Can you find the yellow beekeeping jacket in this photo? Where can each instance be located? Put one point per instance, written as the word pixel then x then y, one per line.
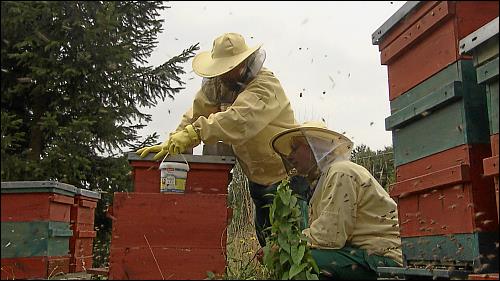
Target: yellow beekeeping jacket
pixel 349 207
pixel 248 120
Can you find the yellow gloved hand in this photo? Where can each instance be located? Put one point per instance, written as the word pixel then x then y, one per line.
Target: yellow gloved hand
pixel 160 149
pixel 182 140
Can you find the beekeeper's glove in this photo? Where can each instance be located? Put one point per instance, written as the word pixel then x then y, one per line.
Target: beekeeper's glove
pixel 182 140
pixel 160 149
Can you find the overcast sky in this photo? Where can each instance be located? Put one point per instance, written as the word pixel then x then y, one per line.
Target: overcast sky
pixel 323 50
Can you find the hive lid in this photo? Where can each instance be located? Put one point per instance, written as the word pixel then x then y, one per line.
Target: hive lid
pixel 38 187
pixel 393 20
pixel 479 36
pixel 88 193
pixel 213 159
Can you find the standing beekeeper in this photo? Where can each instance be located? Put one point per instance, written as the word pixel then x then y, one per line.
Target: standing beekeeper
pixel 242 104
pixel 353 222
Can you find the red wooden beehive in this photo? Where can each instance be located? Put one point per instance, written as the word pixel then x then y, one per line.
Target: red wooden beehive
pixel 180 236
pixel 53 204
pixel 34 267
pixel 207 173
pixel 82 223
pixel 31 202
pixel 445 193
pixel 175 236
pixel 424 38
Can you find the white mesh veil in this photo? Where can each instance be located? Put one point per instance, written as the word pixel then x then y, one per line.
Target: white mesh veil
pixel 324 148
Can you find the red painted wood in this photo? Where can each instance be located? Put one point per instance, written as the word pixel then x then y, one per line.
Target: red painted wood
pixel 212 178
pixel 441 211
pixel 432 18
pixel 82 227
pixel 34 267
pixel 80 264
pixel 488 276
pixel 174 263
pixel 471 154
pixel 452 175
pixel 25 207
pixel 432 200
pixel 169 220
pixel 494 144
pixel 430 42
pixel 496 191
pixel 57 198
pixel 83 210
pixel 407 22
pixel 208 178
pixel 490 165
pixel 81 247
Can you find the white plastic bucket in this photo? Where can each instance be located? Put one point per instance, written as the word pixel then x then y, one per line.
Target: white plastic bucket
pixel 173 177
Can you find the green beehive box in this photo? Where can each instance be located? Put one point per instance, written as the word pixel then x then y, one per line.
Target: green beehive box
pixel 32 239
pixel 474 251
pixel 483 45
pixel 446 110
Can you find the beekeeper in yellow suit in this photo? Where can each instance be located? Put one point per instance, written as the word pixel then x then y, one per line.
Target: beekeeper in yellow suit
pixel 242 104
pixel 353 222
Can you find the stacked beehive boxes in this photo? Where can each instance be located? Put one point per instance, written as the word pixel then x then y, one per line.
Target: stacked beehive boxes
pixel 35 224
pixel 482 44
pixel 171 236
pixel 440 129
pixel 82 223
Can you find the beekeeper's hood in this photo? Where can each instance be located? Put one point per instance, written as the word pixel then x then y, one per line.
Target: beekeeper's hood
pixel 326 146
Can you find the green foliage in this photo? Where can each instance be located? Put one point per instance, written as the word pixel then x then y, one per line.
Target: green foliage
pixel 286 253
pixel 380 163
pixel 73 80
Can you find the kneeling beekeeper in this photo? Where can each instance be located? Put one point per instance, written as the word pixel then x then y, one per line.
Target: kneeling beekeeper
pixel 352 221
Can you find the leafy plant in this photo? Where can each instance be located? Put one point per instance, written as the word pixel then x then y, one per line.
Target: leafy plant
pixel 286 253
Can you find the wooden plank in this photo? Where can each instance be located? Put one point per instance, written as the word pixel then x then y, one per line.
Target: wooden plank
pixel 493 102
pixel 169 220
pixel 439 47
pixel 425 24
pixel 494 144
pixel 33 207
pixel 471 155
pixel 486 51
pixel 34 267
pixel 405 23
pixel 451 126
pixel 425 105
pixel 171 263
pixel 461 71
pixel 80 263
pixel 453 250
pixel 486 276
pixel 488 71
pixel 208 178
pixel 453 175
pixel 81 246
pixel 82 213
pixel 98 271
pixel 490 166
pixel 28 239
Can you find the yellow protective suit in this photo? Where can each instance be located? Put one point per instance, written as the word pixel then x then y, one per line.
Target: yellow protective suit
pixel 349 207
pixel 248 121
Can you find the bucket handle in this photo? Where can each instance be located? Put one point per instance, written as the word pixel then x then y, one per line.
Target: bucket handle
pixel 166 155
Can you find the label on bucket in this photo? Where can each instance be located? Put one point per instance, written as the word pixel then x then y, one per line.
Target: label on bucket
pixel 173 177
